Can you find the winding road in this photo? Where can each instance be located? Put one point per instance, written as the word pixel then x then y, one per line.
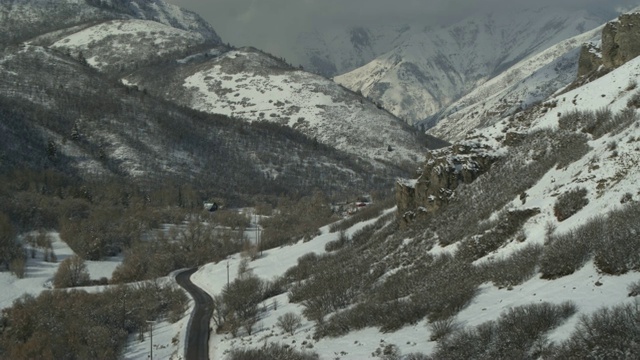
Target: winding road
pixel 198 332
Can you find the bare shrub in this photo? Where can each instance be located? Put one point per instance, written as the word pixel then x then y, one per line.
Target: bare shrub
pixel 18 266
pixel 231 218
pixel 341 242
pixel 442 328
pixel 634 288
pixel 634 100
pixel 507 225
pixel 565 254
pixel 616 249
pixel 570 203
pixel 609 333
pixel 514 269
pixel 272 351
pixel 367 213
pixel 71 272
pixel 514 335
pixel 572 120
pixel 289 322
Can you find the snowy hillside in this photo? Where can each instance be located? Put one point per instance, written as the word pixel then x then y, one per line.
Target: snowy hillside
pixel 23 20
pixel 396 263
pixel 429 70
pixel 522 85
pixel 123 44
pixel 254 86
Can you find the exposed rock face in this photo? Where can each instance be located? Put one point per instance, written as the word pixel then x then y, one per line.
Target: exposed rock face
pixel 443 172
pixel 620 43
pixel 590 60
pixel 621 40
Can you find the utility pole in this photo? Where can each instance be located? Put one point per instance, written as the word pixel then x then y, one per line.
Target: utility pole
pixel 227 274
pixel 151 336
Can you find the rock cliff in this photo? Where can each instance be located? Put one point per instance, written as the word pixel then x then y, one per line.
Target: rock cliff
pixel 620 43
pixel 444 170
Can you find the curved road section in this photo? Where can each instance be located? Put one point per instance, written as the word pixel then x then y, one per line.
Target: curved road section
pixel 198 331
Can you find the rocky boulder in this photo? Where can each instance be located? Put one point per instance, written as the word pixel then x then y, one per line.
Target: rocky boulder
pixel 620 43
pixel 444 170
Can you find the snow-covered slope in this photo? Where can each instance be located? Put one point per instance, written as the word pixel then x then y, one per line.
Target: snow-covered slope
pixel 431 69
pixel 525 83
pixel 125 44
pixel 23 20
pixel 253 86
pixel 608 173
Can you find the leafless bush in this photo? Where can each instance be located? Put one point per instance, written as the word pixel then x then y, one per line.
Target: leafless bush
pixel 272 352
pixel 570 203
pixel 514 269
pixel 443 328
pixel 513 336
pixel 616 249
pixel 609 333
pixel 634 288
pixel 565 254
pixel 289 322
pixel 71 272
pixel 507 225
pixel 339 243
pixel 634 100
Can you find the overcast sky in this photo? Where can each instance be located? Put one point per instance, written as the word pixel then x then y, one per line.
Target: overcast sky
pixel 272 25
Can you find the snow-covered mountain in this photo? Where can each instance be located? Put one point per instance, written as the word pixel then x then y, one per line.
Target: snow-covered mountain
pixel 429 69
pixel 502 235
pixel 522 85
pixel 245 84
pixel 251 85
pixel 338 50
pixel 111 91
pixel 22 20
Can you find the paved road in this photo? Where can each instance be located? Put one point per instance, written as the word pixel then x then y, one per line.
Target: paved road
pixel 198 333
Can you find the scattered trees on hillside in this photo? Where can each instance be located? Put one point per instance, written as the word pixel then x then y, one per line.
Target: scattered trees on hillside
pixel 296 220
pixel 237 306
pixel 77 325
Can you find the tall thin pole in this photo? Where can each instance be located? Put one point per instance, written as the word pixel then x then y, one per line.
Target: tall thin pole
pixel 227 274
pixel 150 322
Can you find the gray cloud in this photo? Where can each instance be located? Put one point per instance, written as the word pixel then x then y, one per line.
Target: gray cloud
pixel 273 25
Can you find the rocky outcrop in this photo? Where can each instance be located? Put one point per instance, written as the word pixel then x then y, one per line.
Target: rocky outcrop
pixel 443 171
pixel 620 43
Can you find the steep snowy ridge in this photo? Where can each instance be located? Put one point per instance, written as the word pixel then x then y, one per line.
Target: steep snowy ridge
pixel 432 69
pixel 250 85
pixel 525 83
pixel 122 44
pixel 238 84
pixel 23 20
